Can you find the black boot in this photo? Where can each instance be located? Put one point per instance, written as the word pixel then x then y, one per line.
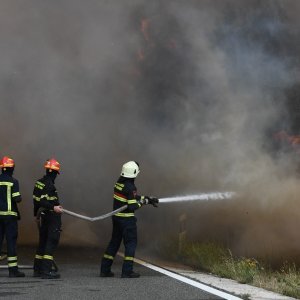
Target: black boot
pixel 107 274
pixel 16 273
pixel 47 272
pixel 130 275
pixel 50 275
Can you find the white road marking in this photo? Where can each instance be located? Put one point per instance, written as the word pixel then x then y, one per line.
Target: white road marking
pixel 20 267
pixel 187 280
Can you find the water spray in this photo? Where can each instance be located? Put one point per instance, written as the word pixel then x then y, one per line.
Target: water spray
pixel 203 197
pixel 199 197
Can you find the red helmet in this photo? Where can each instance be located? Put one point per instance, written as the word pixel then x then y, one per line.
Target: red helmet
pixel 7 162
pixel 52 164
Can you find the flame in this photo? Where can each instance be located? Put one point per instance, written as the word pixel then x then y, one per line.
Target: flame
pixel 148 45
pixel 292 141
pixel 140 55
pixel 145 25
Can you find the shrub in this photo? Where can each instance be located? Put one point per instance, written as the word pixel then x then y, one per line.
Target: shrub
pixel 216 259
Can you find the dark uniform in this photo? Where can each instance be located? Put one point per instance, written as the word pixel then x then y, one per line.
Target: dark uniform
pixel 45 198
pixel 9 215
pixel 124 225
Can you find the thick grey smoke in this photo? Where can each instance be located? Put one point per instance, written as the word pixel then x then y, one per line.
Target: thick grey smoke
pixel 193 90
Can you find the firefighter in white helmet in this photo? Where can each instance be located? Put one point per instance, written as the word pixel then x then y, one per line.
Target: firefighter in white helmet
pixel 124 223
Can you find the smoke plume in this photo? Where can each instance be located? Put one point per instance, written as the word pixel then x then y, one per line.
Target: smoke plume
pixel 192 90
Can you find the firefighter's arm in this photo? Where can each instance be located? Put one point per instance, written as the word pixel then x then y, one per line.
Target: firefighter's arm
pixel 16 195
pixel 132 200
pixel 47 202
pixel 36 201
pixel 44 203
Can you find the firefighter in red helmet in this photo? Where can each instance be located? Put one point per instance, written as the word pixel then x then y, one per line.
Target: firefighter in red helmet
pixel 9 214
pixel 47 210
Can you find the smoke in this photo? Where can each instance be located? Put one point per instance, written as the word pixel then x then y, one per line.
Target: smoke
pixel 193 90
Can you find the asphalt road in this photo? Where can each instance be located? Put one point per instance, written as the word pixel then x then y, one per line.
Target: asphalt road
pixel 80 280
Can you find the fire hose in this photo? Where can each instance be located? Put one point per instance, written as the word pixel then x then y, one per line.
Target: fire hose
pixel 71 213
pixel 201 197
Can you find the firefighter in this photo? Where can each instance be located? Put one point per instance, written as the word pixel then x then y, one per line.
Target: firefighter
pixel 9 214
pixel 47 211
pixel 124 223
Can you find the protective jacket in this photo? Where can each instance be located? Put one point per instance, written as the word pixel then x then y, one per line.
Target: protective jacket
pixel 9 197
pixel 125 192
pixel 45 195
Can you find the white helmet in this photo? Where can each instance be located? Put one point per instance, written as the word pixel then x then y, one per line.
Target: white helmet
pixel 130 169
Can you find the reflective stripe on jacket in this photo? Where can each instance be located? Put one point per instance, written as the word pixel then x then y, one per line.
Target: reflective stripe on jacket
pixel 9 196
pixel 44 195
pixel 125 192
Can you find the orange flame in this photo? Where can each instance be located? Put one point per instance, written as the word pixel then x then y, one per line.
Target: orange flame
pixel 140 55
pixel 145 25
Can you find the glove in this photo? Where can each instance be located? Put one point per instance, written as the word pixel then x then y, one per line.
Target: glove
pixel 144 200
pixel 153 201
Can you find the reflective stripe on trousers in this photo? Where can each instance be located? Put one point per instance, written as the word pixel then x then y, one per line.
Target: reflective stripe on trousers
pixel 9 230
pixel 123 229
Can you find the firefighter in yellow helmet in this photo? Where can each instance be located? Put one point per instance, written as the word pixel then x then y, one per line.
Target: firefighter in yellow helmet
pixel 9 214
pixel 47 210
pixel 124 223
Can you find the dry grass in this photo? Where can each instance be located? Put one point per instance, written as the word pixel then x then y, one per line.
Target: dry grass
pixel 218 260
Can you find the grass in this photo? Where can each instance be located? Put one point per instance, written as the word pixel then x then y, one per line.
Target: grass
pixel 218 260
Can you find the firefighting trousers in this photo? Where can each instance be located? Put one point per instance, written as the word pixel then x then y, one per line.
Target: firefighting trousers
pixel 123 229
pixel 49 234
pixel 9 230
